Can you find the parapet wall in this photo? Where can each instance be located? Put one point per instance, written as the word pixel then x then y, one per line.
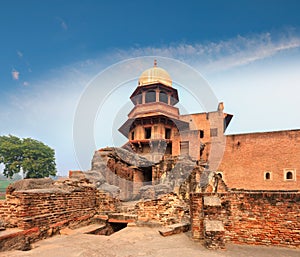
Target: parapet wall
pixel 249 217
pixel 248 157
pixel 77 201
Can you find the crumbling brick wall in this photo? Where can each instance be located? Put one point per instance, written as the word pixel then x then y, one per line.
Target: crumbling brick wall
pixel 166 210
pixel 2 209
pixel 42 212
pixel 38 208
pixel 260 218
pixel 107 203
pixel 78 201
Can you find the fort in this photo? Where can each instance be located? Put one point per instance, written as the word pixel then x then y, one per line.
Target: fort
pixel 177 173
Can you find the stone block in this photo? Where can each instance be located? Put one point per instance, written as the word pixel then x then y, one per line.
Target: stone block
pixel 214 234
pixel 174 229
pixel 212 201
pixel 213 225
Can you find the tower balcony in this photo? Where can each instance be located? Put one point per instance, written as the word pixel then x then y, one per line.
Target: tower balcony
pixel 153 109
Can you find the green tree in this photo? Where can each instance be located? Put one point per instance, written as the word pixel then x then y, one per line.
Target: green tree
pixel 32 157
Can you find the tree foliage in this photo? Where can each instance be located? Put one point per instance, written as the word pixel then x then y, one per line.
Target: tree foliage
pixel 32 157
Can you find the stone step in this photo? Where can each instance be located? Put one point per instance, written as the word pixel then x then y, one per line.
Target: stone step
pixel 174 229
pixel 122 217
pixel 81 230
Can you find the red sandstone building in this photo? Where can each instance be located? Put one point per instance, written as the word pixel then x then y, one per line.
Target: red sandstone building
pixel 156 129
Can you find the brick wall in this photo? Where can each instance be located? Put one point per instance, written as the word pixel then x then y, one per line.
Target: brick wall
pixel 214 144
pixel 107 203
pixel 260 218
pixel 196 207
pixel 2 209
pixel 248 157
pixel 166 210
pixel 38 209
pixel 43 207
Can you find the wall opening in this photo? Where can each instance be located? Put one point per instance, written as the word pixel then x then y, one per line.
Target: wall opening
pixel 147 133
pixel 220 174
pixel 169 149
pixel 289 175
pixel 137 99
pixel 163 97
pixel 150 96
pixel 167 133
pixel 147 175
pixel 201 134
pixel 267 175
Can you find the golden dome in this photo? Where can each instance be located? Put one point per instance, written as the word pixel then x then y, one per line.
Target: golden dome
pixel 155 75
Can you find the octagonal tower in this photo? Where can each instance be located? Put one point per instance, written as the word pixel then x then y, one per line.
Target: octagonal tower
pixel 154 121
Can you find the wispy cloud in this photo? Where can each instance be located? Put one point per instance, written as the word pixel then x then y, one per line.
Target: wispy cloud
pixel 20 54
pixel 222 55
pixel 54 97
pixel 15 74
pixel 62 23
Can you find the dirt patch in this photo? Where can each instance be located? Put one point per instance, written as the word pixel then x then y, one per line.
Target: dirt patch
pixel 137 241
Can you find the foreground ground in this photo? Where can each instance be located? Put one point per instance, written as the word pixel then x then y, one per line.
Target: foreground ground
pixel 137 241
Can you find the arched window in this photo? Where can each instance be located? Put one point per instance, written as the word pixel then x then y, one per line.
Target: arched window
pixel 163 97
pixel 150 96
pixel 137 99
pixel 289 175
pixel 267 175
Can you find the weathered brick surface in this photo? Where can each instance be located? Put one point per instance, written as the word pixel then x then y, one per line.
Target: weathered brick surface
pixel 262 218
pixel 166 210
pixel 45 207
pixel 40 209
pixel 248 156
pixel 196 212
pixel 2 209
pixel 214 240
pixel 106 203
pixel 41 213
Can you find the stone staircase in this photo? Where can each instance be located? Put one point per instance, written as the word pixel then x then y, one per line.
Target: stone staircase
pixel 127 213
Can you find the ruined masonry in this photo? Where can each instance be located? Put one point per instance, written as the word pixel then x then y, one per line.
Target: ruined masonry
pixel 175 172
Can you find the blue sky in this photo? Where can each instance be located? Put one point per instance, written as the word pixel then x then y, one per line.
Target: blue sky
pixel 248 51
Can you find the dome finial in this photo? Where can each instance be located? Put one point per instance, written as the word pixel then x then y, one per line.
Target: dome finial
pixel 155 75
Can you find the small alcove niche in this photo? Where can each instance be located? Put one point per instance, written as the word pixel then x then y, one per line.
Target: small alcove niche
pixel 268 175
pixel 289 175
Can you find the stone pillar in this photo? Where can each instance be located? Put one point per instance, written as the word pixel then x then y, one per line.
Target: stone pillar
pixel 169 99
pixel 196 210
pixel 157 95
pixel 143 97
